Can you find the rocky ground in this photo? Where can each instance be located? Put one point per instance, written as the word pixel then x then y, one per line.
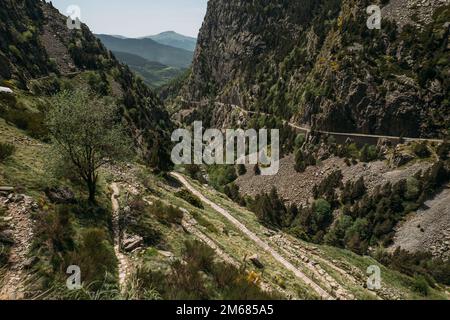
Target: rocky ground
pixel 428 229
pixel 19 207
pixel 416 12
pixel 296 187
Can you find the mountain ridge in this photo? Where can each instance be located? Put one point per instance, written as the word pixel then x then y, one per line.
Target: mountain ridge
pixel 174 39
pixel 149 49
pixel 318 71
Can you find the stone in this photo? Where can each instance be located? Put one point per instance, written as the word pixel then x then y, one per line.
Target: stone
pixel 256 262
pixel 131 243
pixel 401 159
pixel 61 195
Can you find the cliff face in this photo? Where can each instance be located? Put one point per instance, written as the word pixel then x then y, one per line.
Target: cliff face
pixel 316 61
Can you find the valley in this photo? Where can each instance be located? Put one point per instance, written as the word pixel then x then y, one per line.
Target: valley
pixel 87 177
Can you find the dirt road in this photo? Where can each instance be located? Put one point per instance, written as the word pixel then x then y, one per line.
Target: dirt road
pixel 322 293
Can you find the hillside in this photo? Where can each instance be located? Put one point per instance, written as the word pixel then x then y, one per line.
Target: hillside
pixel 150 50
pixel 154 74
pixel 92 207
pixel 173 39
pixel 155 236
pixel 47 55
pixel 317 63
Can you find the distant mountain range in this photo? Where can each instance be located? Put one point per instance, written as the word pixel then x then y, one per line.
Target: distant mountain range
pixel 150 50
pixel 153 73
pixel 173 39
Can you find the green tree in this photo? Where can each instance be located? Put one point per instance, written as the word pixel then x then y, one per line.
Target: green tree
pixel 322 213
pixel 86 132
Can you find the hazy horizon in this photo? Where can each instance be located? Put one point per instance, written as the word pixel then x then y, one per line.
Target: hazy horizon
pixel 140 17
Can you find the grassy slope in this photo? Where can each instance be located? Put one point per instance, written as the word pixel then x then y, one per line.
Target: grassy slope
pixel 395 282
pixel 154 74
pixel 28 169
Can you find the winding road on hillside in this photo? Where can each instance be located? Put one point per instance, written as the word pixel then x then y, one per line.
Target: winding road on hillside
pixel 308 129
pixel 124 263
pixel 289 266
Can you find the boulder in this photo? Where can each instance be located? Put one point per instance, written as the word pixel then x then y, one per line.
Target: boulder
pixel 60 195
pixel 399 159
pixel 6 189
pixel 131 243
pixel 256 262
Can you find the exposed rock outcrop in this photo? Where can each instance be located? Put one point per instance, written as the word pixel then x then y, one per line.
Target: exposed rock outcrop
pixel 317 63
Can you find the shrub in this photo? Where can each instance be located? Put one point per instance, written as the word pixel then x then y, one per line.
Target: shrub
pixel 95 257
pixel 190 198
pixel 166 214
pixel 199 276
pixel 412 189
pixel 33 123
pixel 13 49
pixel 421 150
pixel 322 213
pixel 221 175
pixel 241 169
pixel 6 151
pixel 199 255
pixel 300 140
pixel 420 285
pixel 368 153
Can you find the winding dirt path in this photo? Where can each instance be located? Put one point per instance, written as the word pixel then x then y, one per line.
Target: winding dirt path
pixel 289 266
pixel 12 285
pixel 125 265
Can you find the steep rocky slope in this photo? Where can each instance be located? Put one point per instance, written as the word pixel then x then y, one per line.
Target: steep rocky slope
pixel 38 52
pixel 318 63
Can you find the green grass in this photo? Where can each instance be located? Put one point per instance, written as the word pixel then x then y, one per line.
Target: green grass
pixel 395 283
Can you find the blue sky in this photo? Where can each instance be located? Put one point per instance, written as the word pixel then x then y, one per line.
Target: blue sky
pixel 136 18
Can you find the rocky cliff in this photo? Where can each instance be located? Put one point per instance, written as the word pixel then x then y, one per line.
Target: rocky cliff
pixel 317 62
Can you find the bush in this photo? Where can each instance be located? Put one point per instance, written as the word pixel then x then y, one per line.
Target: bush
pixel 33 123
pixel 199 255
pixel 166 214
pixel 322 213
pixel 6 151
pixel 300 140
pixel 221 175
pixel 95 257
pixel 420 285
pixel 200 277
pixel 190 198
pixel 368 153
pixel 421 150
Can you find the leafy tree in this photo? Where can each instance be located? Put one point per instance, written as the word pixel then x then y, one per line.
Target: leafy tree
pixel 86 132
pixel 322 213
pixel 368 153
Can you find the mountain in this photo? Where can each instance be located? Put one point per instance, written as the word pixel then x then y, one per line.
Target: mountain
pixel 40 57
pixel 154 74
pixel 173 39
pixel 331 224
pixel 150 50
pixel 318 63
